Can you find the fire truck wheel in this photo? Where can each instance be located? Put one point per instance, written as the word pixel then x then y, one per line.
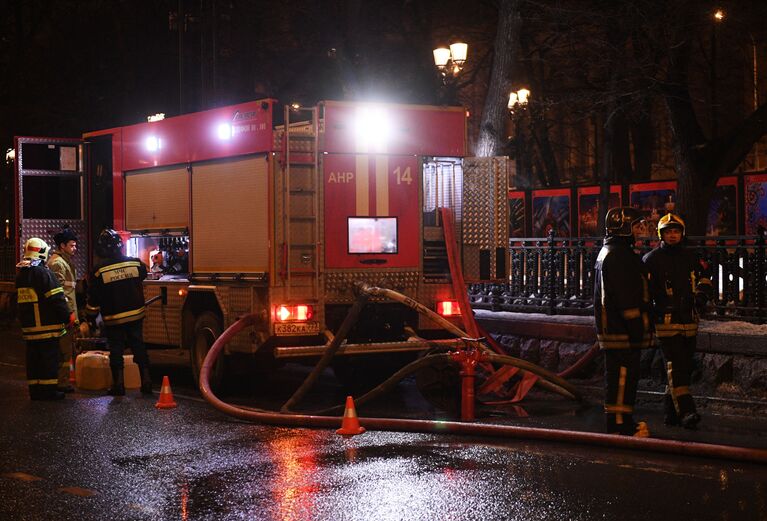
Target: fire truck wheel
pixel 207 328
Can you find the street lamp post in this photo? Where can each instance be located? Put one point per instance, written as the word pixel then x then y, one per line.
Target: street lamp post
pixel 450 61
pixel 518 101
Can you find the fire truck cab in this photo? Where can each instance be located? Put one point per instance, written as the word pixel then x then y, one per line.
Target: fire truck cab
pixel 239 210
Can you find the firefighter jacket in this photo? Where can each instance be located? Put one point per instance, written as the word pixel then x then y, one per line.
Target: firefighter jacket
pixel 115 290
pixel 60 263
pixel 621 297
pixel 678 280
pixel 42 308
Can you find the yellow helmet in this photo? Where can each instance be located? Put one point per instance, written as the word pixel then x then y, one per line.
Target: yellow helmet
pixel 36 249
pixel 670 220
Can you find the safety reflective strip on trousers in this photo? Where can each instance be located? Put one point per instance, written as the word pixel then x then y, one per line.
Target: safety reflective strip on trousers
pixel 621 395
pixel 670 376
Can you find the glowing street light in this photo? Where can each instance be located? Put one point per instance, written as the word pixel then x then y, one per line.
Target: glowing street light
pixel 518 99
pixel 451 60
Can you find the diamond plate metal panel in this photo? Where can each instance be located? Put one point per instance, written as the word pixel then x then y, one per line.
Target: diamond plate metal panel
pixel 339 284
pixel 45 229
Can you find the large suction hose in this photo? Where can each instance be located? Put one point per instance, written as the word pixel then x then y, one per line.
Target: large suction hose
pixel 458 428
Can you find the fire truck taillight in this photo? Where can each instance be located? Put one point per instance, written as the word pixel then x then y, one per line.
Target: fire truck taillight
pixel 448 308
pixel 297 313
pixel 182 292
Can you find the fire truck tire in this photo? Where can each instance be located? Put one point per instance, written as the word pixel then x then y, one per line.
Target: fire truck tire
pixel 207 328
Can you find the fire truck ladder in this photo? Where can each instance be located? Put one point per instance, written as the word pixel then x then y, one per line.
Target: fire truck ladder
pixel 301 204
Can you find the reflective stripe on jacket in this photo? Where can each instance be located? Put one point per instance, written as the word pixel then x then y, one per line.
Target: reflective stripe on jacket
pixel 621 297
pixel 116 290
pixel 41 305
pixel 676 277
pixel 64 269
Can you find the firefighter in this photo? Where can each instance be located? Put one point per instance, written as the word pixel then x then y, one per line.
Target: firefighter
pixel 116 291
pixel 44 316
pixel 62 265
pixel 621 312
pixel 680 286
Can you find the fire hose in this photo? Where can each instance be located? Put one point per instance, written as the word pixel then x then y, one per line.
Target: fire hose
pixel 459 428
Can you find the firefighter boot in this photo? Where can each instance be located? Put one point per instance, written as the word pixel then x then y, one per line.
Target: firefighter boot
pixel 146 382
pixel 688 417
pixel 670 416
pixel 118 383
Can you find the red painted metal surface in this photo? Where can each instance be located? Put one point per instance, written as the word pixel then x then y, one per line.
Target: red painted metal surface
pixel 212 134
pixel 394 129
pixel 375 186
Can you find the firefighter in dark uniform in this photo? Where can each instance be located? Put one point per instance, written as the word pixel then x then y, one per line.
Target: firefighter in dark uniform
pixel 621 313
pixel 115 290
pixel 679 286
pixel 44 316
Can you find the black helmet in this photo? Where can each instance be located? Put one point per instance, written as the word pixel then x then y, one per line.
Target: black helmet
pixel 108 243
pixel 64 236
pixel 620 220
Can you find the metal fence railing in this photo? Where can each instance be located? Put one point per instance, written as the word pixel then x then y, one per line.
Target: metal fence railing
pixel 556 276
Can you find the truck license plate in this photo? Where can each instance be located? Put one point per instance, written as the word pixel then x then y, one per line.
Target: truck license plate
pixel 302 328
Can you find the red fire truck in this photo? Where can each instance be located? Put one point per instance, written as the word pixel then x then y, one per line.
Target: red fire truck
pixel 235 212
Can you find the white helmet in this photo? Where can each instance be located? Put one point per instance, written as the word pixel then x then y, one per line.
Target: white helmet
pixel 36 249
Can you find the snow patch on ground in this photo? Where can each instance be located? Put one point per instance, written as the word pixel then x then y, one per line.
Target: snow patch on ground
pixel 715 327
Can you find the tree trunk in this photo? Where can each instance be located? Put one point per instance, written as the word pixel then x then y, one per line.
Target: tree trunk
pixel 492 127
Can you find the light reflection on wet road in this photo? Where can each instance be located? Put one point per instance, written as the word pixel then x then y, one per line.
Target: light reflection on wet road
pixel 94 458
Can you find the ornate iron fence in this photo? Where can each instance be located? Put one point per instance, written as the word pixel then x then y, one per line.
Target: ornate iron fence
pixel 556 276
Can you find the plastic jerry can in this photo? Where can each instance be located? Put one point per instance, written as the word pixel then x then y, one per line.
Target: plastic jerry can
pixel 92 371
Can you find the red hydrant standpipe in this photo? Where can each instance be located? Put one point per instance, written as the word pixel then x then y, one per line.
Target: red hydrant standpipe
pixel 469 429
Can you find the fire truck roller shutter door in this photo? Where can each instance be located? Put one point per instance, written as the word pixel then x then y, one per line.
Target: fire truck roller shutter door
pixel 157 199
pixel 230 204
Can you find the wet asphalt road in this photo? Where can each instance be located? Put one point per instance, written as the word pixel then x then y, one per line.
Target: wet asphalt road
pixel 93 457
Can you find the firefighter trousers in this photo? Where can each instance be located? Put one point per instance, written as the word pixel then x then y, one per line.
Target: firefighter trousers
pixel 678 352
pixel 621 381
pixel 42 367
pixel 125 335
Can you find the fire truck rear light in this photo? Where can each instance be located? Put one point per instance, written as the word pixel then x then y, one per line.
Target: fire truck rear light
pixel 449 308
pixel 297 313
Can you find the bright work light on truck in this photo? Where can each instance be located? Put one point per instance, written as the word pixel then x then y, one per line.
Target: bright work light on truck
pixel 372 129
pixel 153 143
pixel 224 131
pixel 296 313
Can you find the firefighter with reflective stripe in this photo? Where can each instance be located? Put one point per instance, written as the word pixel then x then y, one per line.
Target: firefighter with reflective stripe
pixel 115 290
pixel 44 317
pixel 679 286
pixel 62 265
pixel 621 313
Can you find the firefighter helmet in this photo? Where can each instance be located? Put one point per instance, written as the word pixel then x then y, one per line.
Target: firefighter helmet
pixel 36 249
pixel 670 220
pixel 108 243
pixel 619 221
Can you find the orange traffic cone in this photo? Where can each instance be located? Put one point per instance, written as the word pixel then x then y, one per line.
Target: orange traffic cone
pixel 350 424
pixel 166 396
pixel 71 371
